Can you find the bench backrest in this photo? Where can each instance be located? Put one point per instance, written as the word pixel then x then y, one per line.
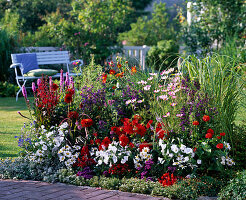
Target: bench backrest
pixel 52 57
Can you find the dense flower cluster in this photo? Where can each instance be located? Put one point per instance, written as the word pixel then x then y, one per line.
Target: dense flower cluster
pixel 156 128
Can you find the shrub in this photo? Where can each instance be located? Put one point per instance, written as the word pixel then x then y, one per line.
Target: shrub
pixel 236 189
pixel 8 89
pixel 163 55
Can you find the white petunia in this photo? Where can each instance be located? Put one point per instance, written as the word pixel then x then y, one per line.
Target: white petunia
pixel 188 150
pixel 161 160
pixel 199 162
pixel 175 148
pixel 124 160
pixel 44 147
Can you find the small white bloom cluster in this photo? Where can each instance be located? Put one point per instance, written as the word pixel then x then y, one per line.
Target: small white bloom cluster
pixel 178 155
pixel 113 154
pixel 226 160
pixel 143 156
pixel 51 144
pixel 68 155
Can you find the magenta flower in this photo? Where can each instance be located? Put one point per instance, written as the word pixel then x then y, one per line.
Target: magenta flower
pixel 33 87
pixel 24 92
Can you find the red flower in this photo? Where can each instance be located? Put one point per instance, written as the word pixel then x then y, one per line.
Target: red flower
pixel 113 87
pixel 95 134
pixel 97 141
pixel 196 123
pixel 206 118
pixel 194 150
pixel 137 117
pixel 131 145
pixel 124 140
pixel 219 146
pixel 86 122
pixel 70 91
pixel 222 134
pixel 73 115
pixel 111 71
pixel 92 142
pixel 134 70
pixel 145 144
pixel 140 129
pixel 120 74
pixel 54 86
pixel 210 131
pixel 104 78
pixel 106 141
pixel 219 137
pixel 209 135
pixel 68 98
pixel 149 123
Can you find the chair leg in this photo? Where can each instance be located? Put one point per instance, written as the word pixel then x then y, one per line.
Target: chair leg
pixel 20 86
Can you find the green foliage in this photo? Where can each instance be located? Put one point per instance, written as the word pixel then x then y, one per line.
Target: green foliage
pixel 149 31
pixel 31 12
pixel 214 21
pixel 163 56
pixel 7 45
pixel 236 189
pixel 219 78
pixel 8 89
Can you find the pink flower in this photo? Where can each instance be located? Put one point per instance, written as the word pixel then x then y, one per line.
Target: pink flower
pixel 167 115
pixel 86 44
pixel 164 97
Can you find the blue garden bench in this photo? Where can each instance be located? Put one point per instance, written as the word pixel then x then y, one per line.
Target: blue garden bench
pixel 27 63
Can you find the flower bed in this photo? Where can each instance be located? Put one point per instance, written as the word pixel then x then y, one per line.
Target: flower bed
pixel 123 123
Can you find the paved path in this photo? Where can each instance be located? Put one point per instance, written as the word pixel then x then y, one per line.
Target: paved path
pixel 36 190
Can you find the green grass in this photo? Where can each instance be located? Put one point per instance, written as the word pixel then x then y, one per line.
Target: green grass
pixel 10 125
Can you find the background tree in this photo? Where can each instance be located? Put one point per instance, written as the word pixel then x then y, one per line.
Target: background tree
pixel 215 20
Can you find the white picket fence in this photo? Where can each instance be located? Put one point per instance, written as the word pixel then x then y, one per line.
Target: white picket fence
pixel 138 53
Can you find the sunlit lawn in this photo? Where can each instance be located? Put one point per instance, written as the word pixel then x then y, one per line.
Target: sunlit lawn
pixel 11 123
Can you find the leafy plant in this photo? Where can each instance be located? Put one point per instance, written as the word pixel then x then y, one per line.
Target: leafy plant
pixel 236 189
pixel 8 89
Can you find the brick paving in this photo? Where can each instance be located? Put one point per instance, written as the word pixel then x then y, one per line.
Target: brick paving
pixel 36 190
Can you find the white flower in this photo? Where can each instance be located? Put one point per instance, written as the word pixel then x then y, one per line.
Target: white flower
pixel 175 148
pixel 145 149
pixel 128 102
pixel 167 115
pixel 124 160
pixel 106 160
pixel 176 163
pixel 44 147
pixel 62 158
pixel 143 154
pixel 64 125
pixel 67 154
pixel 186 159
pixel 180 157
pixel 227 146
pixel 161 160
pixel 115 159
pixel 182 148
pixel 39 153
pixel 153 74
pixel 137 165
pixel 164 77
pixel 150 79
pixel 99 162
pixel 49 134
pixel 199 162
pixel 147 87
pixel 171 155
pixel 156 91
pixel 188 150
pixel 223 160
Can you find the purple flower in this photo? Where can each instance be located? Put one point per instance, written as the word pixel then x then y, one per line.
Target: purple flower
pixel 24 92
pixel 61 79
pixel 67 80
pixel 38 82
pixel 33 87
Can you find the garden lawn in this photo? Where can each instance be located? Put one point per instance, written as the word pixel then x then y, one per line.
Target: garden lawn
pixel 10 125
